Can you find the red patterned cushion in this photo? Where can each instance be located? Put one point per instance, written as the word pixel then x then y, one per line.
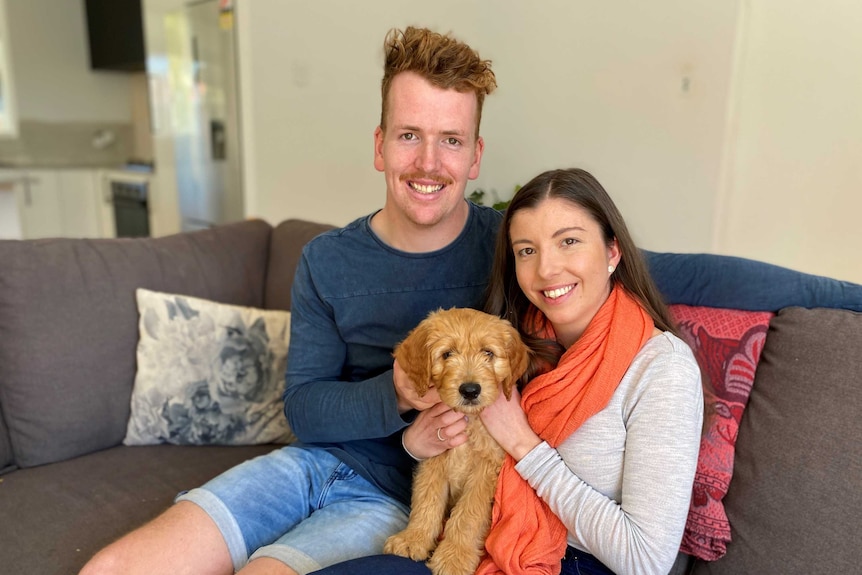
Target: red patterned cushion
pixel 727 344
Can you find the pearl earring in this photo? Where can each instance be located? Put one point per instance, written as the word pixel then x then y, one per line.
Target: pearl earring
pixel 611 269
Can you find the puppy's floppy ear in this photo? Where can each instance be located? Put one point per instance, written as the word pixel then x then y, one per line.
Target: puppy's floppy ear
pixel 518 356
pixel 414 357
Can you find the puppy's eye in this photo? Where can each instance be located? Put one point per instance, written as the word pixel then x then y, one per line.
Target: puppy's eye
pixel 447 354
pixel 488 353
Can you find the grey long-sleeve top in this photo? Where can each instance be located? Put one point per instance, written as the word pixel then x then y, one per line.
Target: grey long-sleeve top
pixel 622 482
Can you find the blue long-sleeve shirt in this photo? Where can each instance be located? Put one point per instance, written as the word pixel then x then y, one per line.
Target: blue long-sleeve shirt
pixel 354 298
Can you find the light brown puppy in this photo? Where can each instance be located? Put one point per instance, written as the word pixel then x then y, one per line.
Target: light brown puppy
pixel 468 356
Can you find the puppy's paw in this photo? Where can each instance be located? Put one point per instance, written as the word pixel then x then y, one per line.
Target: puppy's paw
pixel 411 544
pixel 451 559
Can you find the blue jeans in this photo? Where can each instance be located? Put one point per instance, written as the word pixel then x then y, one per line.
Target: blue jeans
pixel 301 506
pixel 581 563
pixel 574 563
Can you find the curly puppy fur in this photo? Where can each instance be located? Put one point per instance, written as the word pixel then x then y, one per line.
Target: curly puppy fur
pixel 468 356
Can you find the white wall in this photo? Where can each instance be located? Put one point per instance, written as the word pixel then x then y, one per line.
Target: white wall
pixel 731 127
pixel 50 58
pixel 631 91
pixel 793 194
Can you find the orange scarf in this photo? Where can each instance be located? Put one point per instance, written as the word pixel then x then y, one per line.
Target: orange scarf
pixel 526 537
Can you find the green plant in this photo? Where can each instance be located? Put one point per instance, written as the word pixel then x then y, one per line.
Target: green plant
pixel 477 196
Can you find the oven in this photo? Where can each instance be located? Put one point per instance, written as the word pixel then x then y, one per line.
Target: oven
pixel 126 211
pixel 131 208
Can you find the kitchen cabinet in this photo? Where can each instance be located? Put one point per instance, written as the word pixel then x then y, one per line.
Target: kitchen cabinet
pixel 10 223
pixel 50 203
pixel 39 205
pixel 81 199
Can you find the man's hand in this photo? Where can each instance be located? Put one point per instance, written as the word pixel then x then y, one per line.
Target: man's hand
pixel 436 428
pixel 434 431
pixel 406 392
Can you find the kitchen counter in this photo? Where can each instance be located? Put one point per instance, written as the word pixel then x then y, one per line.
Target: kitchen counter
pixel 67 145
pixel 53 164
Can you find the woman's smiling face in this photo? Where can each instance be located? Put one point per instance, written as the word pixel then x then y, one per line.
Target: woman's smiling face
pixel 561 262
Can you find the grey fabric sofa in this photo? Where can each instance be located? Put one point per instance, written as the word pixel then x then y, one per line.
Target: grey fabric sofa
pixel 68 337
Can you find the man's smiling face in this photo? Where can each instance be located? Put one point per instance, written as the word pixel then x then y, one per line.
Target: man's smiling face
pixel 429 149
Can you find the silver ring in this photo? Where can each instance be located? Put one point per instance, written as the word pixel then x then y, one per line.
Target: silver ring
pixel 440 437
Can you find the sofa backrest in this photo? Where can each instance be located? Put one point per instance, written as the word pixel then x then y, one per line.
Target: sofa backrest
pixel 288 239
pixel 69 326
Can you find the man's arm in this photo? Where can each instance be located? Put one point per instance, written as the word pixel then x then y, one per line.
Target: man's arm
pixel 740 283
pixel 319 405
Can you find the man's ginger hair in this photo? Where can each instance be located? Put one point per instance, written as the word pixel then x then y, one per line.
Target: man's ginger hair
pixel 442 60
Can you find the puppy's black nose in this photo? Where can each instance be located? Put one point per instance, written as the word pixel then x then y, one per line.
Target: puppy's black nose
pixel 470 390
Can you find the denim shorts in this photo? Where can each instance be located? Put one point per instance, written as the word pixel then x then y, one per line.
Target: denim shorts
pixel 301 506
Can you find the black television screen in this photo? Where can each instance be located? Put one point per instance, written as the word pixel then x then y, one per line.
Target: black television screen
pixel 116 32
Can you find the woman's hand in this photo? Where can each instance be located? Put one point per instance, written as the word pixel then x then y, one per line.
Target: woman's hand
pixel 507 422
pixel 434 431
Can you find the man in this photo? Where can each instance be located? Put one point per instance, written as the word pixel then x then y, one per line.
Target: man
pixel 344 488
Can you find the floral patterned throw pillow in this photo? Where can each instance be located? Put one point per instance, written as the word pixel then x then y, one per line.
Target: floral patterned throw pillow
pixel 727 344
pixel 208 373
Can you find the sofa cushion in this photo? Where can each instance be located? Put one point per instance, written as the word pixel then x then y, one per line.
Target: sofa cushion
pixel 288 238
pixel 55 517
pixel 7 460
pixel 208 373
pixel 796 496
pixel 727 344
pixel 68 325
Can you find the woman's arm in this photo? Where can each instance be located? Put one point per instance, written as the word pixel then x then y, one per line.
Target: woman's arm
pixel 622 483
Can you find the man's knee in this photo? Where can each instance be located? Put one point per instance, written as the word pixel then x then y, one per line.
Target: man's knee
pixel 105 562
pixel 182 536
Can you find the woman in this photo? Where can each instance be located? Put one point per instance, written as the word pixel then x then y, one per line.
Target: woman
pixel 603 442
